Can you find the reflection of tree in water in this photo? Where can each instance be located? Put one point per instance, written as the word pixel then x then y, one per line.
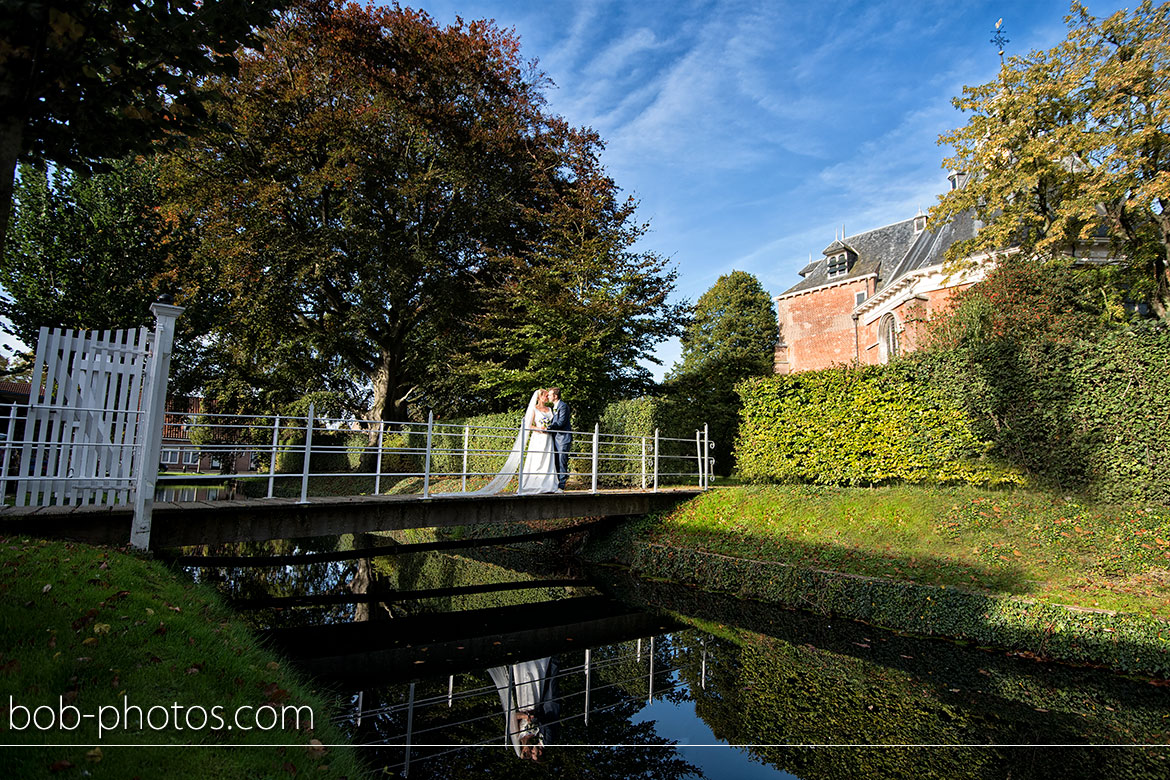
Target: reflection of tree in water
pixel 284 581
pixel 615 699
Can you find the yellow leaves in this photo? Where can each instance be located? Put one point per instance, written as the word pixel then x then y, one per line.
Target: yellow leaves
pixel 101 628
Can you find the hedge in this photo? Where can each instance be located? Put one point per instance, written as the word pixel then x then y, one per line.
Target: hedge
pixel 1122 641
pixel 864 426
pixel 1089 416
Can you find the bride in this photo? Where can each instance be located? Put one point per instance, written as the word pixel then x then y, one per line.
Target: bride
pixel 539 474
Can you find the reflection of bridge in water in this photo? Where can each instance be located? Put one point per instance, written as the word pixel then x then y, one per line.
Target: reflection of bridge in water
pixel 374 653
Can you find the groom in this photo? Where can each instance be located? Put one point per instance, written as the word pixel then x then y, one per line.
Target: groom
pixel 562 435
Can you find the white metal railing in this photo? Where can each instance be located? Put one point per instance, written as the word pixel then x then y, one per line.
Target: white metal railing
pixel 314 456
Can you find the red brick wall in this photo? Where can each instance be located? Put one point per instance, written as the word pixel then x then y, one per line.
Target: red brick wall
pixel 816 328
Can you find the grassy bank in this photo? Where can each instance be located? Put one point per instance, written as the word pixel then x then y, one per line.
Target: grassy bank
pixel 90 634
pixel 997 567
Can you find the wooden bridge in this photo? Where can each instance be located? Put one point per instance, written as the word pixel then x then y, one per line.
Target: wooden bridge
pixel 246 520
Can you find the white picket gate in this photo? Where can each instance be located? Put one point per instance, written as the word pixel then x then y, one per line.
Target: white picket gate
pixel 94 425
pixel 83 417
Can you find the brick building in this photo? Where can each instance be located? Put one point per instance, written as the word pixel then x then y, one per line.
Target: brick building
pixel 864 298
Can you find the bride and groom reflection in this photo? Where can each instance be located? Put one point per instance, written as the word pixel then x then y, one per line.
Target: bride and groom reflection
pixel 528 694
pixel 540 452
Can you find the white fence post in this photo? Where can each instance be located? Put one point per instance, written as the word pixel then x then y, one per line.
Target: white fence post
pixel 151 422
pixel 378 456
pixel 520 465
pixel 699 455
pixel 272 462
pixel 7 453
pixel 643 462
pixel 466 445
pixel 655 460
pixel 427 457
pixel 309 422
pixel 707 460
pixel 588 681
pixel 596 442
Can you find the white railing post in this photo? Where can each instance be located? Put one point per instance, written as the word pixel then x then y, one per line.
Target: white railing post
pixel 520 465
pixel 466 446
pixel 655 460
pixel 699 455
pixel 643 462
pixel 154 407
pixel 588 681
pixel 409 731
pixel 427 457
pixel 707 460
pixel 650 694
pixel 309 422
pixel 378 470
pixel 7 453
pixel 596 442
pixel 272 462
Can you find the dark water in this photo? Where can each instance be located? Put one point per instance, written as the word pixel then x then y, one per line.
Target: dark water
pixel 649 680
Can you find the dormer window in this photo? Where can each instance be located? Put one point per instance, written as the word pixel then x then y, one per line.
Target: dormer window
pixel 919 223
pixel 838 264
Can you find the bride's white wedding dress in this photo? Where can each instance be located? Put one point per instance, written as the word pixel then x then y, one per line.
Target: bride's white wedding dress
pixel 539 473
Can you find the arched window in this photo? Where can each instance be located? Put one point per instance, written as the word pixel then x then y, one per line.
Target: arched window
pixel 888 337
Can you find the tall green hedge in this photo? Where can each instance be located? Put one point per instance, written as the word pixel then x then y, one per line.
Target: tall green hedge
pixel 862 426
pixel 1090 416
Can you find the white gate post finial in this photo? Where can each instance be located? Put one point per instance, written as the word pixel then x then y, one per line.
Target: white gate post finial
pixel 154 402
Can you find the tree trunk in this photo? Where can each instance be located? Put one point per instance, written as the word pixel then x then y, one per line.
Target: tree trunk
pixel 388 405
pixel 11 133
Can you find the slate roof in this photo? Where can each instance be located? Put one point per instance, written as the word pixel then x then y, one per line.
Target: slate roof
pixel 884 246
pixel 888 252
pixel 930 248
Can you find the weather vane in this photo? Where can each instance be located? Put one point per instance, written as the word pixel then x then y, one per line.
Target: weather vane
pixel 999 38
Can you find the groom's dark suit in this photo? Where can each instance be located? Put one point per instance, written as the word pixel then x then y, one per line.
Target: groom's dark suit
pixel 562 440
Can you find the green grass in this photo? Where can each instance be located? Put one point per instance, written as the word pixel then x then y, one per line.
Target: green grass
pixel 1019 542
pixel 92 627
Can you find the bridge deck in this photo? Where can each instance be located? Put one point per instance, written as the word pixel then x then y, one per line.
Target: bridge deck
pixel 243 520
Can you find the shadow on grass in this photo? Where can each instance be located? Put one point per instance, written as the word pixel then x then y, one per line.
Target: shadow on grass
pixel 923 569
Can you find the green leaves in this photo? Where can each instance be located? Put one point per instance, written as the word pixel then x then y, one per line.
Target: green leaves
pixel 859 427
pixel 1069 149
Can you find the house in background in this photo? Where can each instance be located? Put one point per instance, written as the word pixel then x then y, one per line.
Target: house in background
pixel 863 300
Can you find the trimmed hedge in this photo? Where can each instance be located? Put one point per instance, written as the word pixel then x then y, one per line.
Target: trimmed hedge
pixel 1090 416
pixel 864 426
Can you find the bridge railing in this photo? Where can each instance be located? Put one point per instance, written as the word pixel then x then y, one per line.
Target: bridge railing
pixel 207 456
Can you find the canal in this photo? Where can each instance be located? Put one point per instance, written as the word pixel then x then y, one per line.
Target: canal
pixel 524 661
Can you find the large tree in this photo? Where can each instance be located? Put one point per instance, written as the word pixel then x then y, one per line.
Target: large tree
pixel 85 80
pixel 89 251
pixel 580 307
pixel 1072 144
pixel 371 165
pixel 732 336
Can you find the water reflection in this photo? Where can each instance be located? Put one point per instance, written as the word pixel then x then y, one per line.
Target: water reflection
pixel 528 694
pixel 448 666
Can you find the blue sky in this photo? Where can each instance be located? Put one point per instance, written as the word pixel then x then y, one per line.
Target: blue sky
pixel 751 130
